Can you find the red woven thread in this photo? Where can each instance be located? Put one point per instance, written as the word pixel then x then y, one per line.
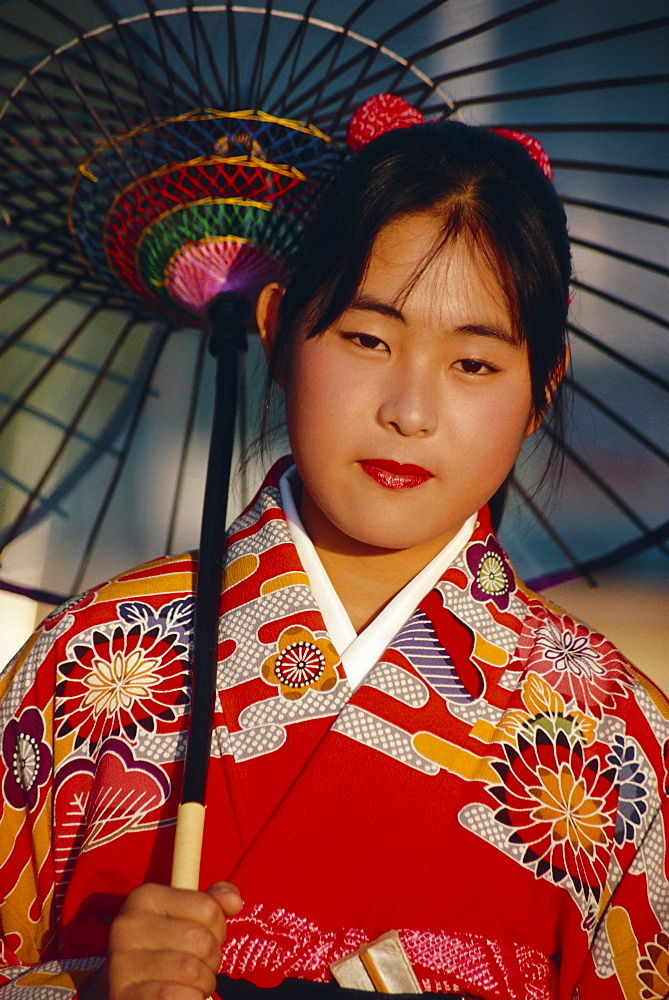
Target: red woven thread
pixel 183 184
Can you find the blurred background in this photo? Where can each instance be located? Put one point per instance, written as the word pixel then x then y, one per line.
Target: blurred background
pixel 106 388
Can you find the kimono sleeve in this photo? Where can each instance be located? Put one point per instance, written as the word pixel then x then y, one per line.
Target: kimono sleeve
pixel 629 955
pixel 28 927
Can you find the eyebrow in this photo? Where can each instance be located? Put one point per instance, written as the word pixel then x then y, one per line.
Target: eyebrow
pixel 497 332
pixel 368 303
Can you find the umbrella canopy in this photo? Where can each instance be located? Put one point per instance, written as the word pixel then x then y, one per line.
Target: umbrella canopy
pixel 141 145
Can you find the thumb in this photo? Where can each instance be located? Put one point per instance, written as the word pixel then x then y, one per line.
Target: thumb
pixel 227 896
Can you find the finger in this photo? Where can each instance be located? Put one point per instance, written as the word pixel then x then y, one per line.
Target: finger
pixel 159 991
pixel 131 971
pixel 227 896
pixel 153 932
pixel 185 904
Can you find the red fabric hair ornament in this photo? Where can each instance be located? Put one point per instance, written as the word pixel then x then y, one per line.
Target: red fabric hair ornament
pixel 532 145
pixel 385 112
pixel 379 114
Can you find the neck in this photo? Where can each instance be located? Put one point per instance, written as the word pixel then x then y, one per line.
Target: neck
pixel 365 577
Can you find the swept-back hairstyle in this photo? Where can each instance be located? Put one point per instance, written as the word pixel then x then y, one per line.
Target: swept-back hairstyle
pixel 481 186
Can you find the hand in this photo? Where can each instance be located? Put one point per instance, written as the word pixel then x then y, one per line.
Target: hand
pixel 165 944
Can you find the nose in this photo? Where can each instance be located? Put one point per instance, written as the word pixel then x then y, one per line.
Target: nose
pixel 410 401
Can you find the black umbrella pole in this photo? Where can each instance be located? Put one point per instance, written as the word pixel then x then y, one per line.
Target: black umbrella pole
pixel 228 315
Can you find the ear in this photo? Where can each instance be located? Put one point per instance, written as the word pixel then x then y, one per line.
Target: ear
pixel 267 315
pixel 554 381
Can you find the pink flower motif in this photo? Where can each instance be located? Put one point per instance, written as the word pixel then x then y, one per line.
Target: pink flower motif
pixel 578 663
pixel 28 759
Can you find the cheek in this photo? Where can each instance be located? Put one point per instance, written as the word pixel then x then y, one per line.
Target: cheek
pixel 495 425
pixel 311 397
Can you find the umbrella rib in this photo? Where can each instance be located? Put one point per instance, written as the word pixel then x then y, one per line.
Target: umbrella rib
pixel 650 539
pixel 44 46
pixel 348 98
pixel 555 47
pixel 130 59
pixel 628 306
pixel 19 100
pixel 588 127
pixel 616 418
pixel 17 286
pixel 334 41
pixel 255 83
pixel 336 44
pixel 611 168
pixel 607 490
pixel 11 251
pixel 480 29
pixel 15 528
pixel 197 69
pixel 234 89
pixel 626 213
pixel 39 204
pixel 203 90
pixel 223 101
pixel 628 258
pixel 58 106
pixel 121 458
pixel 539 515
pixel 565 88
pixel 445 43
pixel 90 49
pixel 55 358
pixel 157 30
pixel 335 98
pixel 617 356
pixel 34 593
pixel 294 43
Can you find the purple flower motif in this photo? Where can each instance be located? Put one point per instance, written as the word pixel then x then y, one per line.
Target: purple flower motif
pixel 493 577
pixel 28 759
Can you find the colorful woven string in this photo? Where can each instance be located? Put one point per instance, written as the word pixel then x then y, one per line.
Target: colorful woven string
pixel 180 209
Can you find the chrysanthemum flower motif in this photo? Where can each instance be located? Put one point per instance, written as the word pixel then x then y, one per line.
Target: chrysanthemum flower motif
pixel 560 805
pixel 579 664
pixel 654 969
pixel 115 683
pixel 302 662
pixel 564 802
pixel 27 757
pixel 493 577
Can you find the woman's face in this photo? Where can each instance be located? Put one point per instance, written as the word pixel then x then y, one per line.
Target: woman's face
pixel 407 414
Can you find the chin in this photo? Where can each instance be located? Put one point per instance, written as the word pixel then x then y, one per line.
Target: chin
pixel 381 536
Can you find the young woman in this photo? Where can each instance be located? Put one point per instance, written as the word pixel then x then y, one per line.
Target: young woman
pixel 405 738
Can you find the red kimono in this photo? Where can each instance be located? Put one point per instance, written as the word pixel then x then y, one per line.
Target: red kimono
pixel 495 789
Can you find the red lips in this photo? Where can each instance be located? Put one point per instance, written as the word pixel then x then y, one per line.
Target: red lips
pixel 393 475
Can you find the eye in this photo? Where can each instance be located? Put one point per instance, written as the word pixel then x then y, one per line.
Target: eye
pixel 472 367
pixel 366 341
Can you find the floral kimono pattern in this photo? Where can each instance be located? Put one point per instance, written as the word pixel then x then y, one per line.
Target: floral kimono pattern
pixel 495 789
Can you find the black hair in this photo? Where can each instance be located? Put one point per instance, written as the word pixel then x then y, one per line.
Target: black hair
pixel 486 188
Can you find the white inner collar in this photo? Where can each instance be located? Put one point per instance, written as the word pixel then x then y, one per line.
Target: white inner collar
pixel 359 652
